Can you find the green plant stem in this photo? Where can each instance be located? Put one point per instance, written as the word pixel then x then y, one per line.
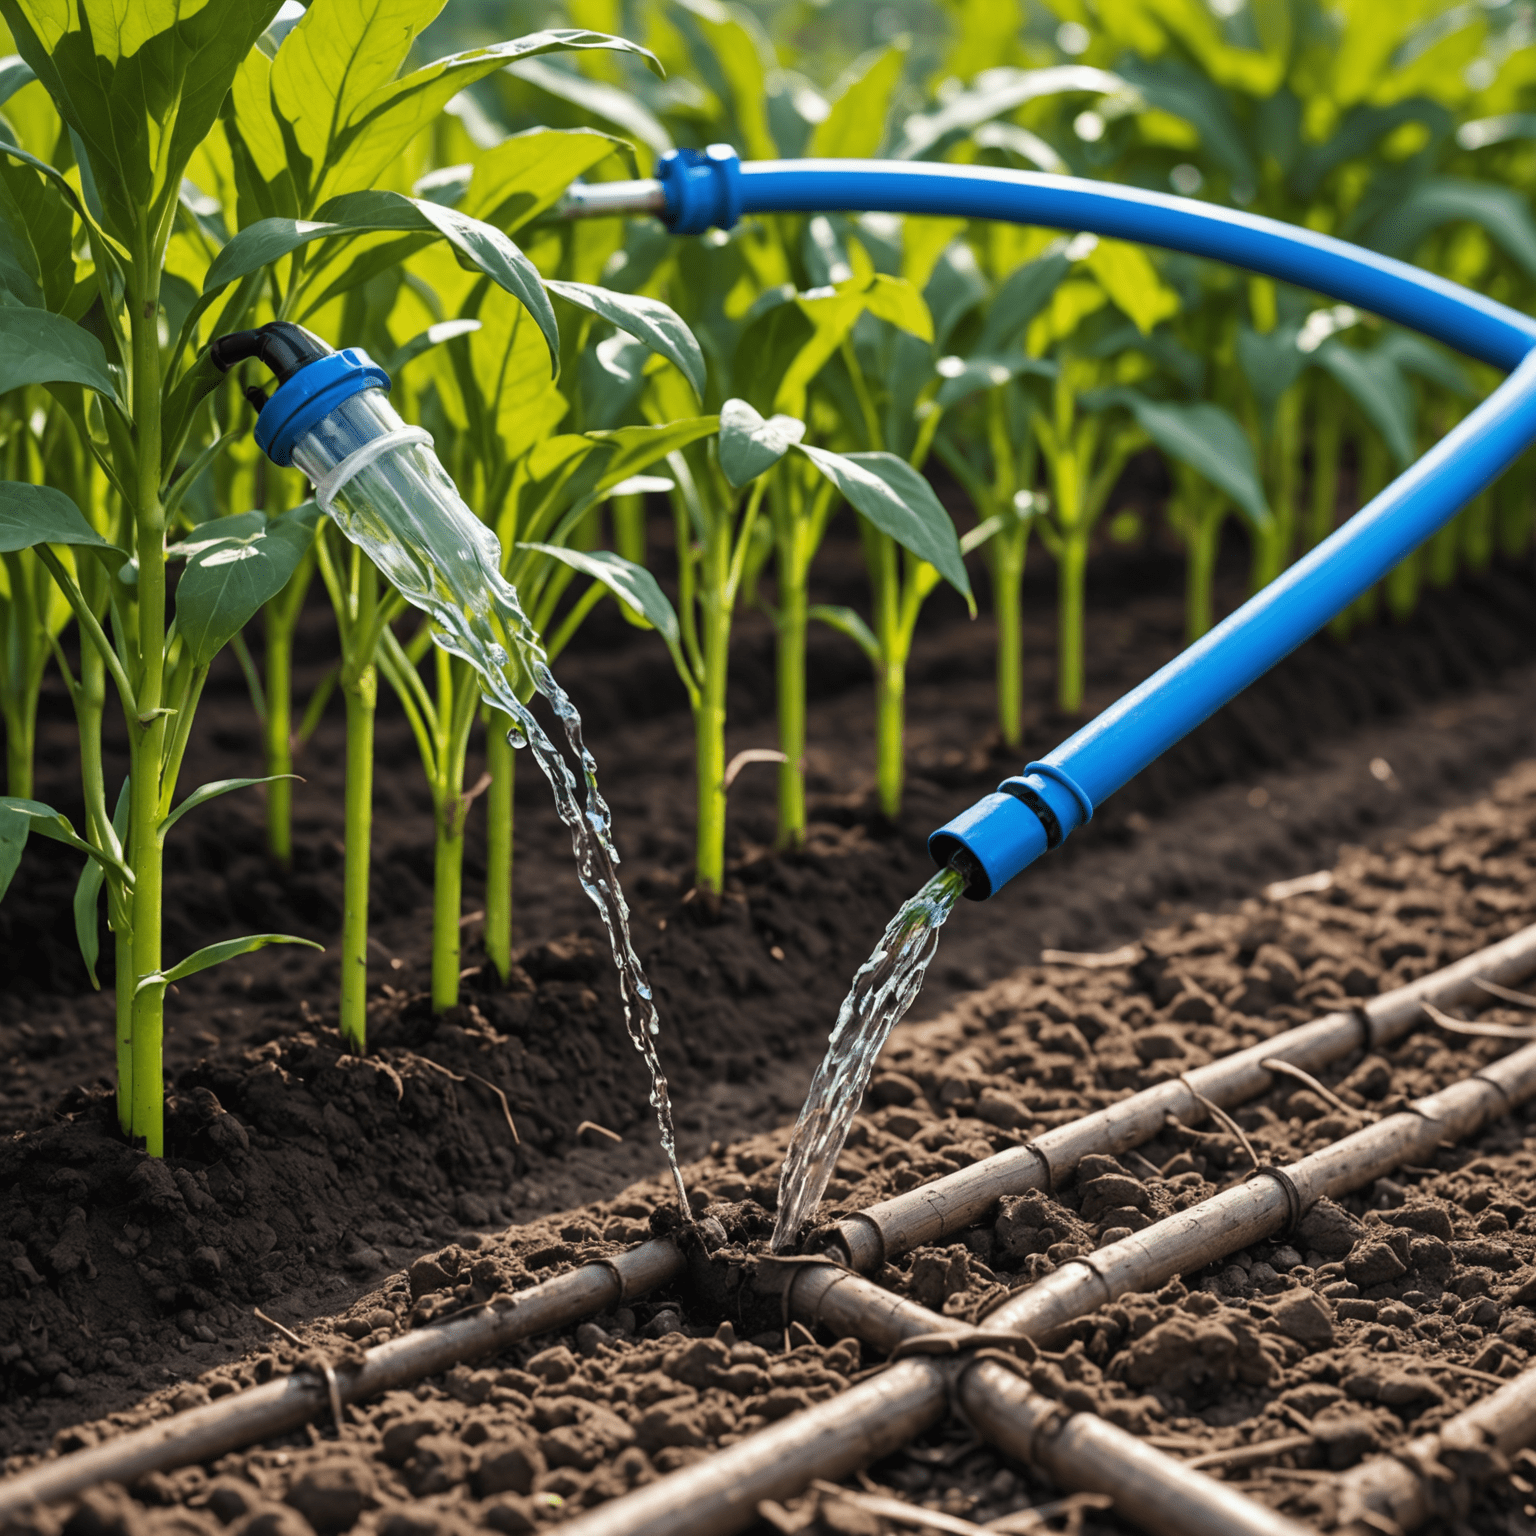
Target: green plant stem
pixel 360 689
pixel 790 627
pixel 1071 579
pixel 501 764
pixel 447 901
pixel 1327 441
pixel 709 723
pixel 1478 532
pixel 280 618
pixel 1006 553
pixel 1202 543
pixel 629 527
pixel 881 558
pixel 25 651
pixel 1516 509
pixel 148 726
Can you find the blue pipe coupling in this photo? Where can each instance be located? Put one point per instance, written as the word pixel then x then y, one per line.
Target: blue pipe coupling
pixel 1005 832
pixel 702 188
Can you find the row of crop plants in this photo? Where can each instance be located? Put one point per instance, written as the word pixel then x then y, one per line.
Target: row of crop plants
pixel 171 170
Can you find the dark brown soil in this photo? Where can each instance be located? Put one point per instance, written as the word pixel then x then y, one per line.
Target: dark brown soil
pixel 297 1175
pixel 1382 1316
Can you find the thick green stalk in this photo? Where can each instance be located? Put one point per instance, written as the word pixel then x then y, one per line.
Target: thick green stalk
pixel 1007 564
pixel 447 899
pixel 360 688
pixel 1286 451
pixel 147 730
pixel 882 561
pixel 278 730
pixel 1071 579
pixel 1327 441
pixel 790 629
pixel 501 764
pixel 1203 542
pixel 629 527
pixel 709 719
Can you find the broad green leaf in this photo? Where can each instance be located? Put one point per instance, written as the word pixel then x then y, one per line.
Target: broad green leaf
pixel 632 584
pixel 206 792
pixel 637 448
pixel 1502 212
pixel 620 108
pixel 36 237
pixel 855 126
pixel 227 579
pixel 1127 275
pixel 733 59
pixel 895 299
pixel 37 347
pixel 382 127
pixel 846 622
pixel 1021 297
pixel 964 377
pixel 749 445
pixel 480 246
pixel 20 817
pixel 898 501
pixel 529 172
pixel 1272 363
pixel 766 348
pixel 1209 440
pixel 39 514
pixel 647 320
pixel 1414 354
pixel 503 375
pixel 1377 386
pixel 215 954
pixel 139 82
pixel 88 892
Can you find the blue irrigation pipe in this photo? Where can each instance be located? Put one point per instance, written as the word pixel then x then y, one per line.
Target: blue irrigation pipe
pixel 1006 831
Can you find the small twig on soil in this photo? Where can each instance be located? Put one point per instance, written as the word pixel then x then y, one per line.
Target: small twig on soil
pixel 1505 994
pixel 1287 1069
pixel 1217 1113
pixel 332 1386
pixel 1023 1522
pixel 1302 885
pixel 506 1108
pixel 1493 1031
pixel 1127 954
pixel 751 755
pixel 1153 1171
pixel 600 1130
pixel 1246 1455
pixel 900 1511
pixel 1297 1417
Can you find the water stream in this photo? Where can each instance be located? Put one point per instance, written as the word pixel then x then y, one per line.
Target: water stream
pixel 404 512
pixel 884 988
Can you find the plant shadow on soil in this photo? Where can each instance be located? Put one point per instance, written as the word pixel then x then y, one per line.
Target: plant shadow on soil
pixel 297 1175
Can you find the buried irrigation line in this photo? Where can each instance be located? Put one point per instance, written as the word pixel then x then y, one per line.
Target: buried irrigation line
pixel 932 1212
pixel 890 1228
pixel 940 1362
pixel 1400 1491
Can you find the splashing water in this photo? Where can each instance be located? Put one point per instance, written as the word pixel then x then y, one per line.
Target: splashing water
pixel 886 986
pixel 404 512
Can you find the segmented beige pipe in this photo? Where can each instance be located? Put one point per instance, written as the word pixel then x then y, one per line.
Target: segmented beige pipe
pixel 1398 1488
pixel 892 1227
pixel 201 1434
pixel 934 1211
pixel 1266 1203
pixel 1078 1451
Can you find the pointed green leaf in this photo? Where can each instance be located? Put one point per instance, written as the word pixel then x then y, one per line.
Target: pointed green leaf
pixel 20 817
pixel 433 336
pixel 632 584
pixel 637 448
pixel 480 246
pixel 39 514
pixel 996 93
pixel 37 347
pixel 749 445
pixel 15 72
pixel 206 792
pixel 1019 299
pixel 88 893
pixel 1209 440
pixel 529 172
pixel 898 501
pixel 846 622
pixel 227 579
pixel 1376 384
pixel 894 299
pixel 1502 212
pixel 215 954
pixel 647 320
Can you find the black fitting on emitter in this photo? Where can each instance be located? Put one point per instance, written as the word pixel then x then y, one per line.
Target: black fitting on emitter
pixel 283 346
